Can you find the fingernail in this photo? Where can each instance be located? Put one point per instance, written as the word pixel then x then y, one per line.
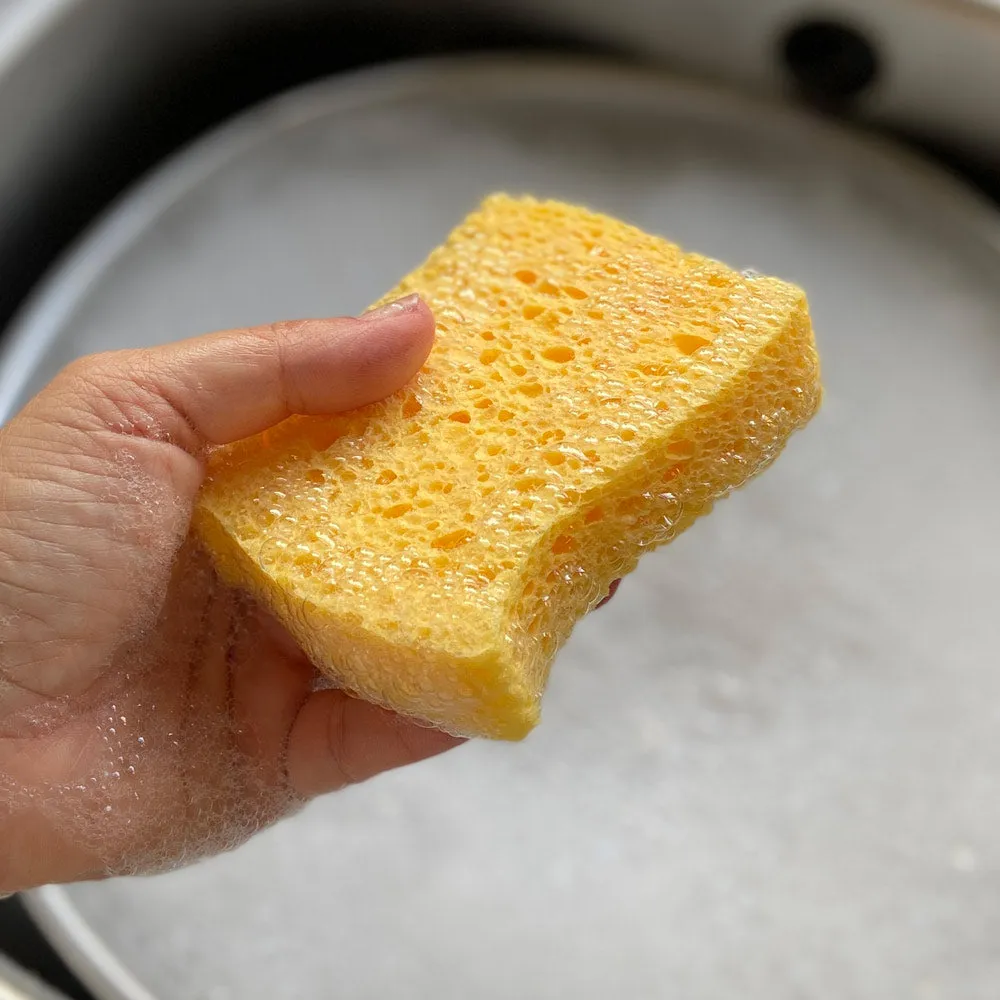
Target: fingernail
pixel 404 305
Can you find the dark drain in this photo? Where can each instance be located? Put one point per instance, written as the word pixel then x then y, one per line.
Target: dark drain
pixel 830 63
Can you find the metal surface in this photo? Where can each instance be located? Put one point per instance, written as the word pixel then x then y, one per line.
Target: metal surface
pixel 16 984
pixel 89 89
pixel 23 945
pixel 769 768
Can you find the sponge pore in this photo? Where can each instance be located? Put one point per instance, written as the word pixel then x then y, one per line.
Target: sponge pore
pixel 592 391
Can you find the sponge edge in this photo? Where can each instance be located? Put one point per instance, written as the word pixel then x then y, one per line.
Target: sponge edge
pixel 592 392
pixel 476 695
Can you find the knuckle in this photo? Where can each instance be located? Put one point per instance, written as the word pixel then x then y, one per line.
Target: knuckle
pixel 102 374
pixel 120 391
pixel 282 337
pixel 85 369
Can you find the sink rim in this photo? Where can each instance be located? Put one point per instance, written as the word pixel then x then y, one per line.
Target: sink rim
pixel 35 328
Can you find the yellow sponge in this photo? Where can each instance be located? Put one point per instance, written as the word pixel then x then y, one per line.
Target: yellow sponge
pixel 592 391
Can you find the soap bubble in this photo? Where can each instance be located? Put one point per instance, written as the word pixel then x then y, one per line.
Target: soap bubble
pixel 152 766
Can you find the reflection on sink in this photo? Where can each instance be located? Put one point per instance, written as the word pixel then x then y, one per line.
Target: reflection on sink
pixel 21 941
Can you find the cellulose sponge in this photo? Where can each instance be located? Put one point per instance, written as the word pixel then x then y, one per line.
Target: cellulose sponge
pixel 592 391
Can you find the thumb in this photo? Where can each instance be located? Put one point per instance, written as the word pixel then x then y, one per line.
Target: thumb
pixel 219 388
pixel 92 468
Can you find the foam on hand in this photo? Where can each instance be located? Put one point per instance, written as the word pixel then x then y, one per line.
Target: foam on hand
pixel 143 761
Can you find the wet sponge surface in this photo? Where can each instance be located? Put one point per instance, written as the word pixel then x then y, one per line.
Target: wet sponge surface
pixel 592 391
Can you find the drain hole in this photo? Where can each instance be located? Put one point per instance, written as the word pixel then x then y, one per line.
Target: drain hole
pixel 831 63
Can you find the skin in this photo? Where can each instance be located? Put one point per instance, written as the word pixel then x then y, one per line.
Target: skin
pixel 148 714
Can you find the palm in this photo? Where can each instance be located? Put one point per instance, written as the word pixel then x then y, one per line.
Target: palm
pixel 163 736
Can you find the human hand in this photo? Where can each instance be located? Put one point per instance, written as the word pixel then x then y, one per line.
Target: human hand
pixel 150 715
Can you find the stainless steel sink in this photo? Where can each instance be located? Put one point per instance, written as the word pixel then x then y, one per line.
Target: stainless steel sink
pixel 93 93
pixel 18 984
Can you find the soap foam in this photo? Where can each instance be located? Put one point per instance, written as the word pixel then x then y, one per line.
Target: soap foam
pixel 150 766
